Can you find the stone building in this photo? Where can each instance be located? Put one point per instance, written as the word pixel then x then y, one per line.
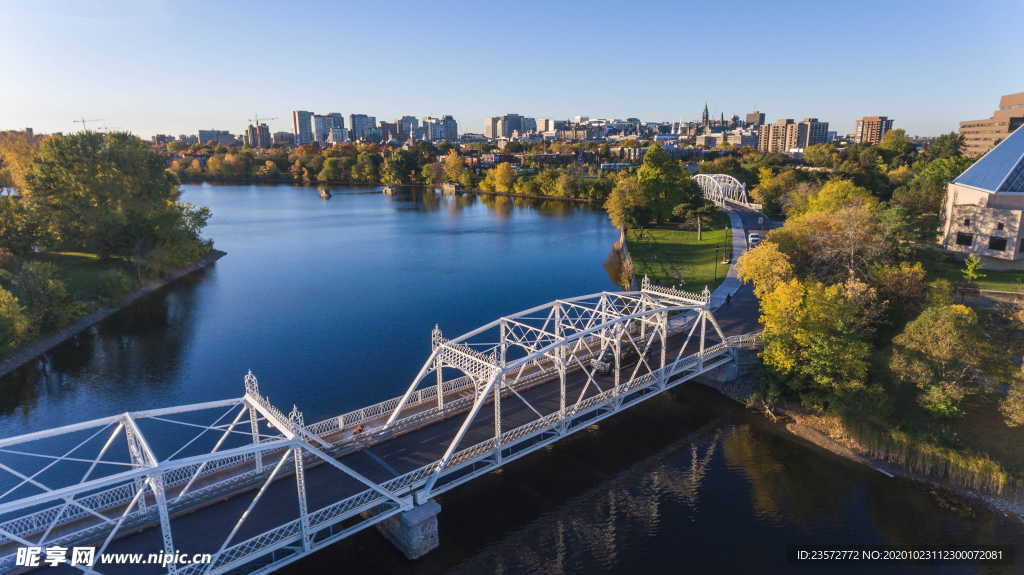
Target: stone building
pixel 984 205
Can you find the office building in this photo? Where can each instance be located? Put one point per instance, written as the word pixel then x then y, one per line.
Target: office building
pixel 219 137
pixel 871 129
pixel 283 138
pixel 981 135
pixel 362 127
pixel 755 118
pixel 257 136
pixel 407 126
pixel 985 205
pixel 302 127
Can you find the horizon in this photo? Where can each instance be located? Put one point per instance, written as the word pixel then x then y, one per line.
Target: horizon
pixel 173 69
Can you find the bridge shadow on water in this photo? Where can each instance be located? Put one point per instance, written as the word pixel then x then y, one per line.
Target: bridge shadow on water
pixel 688 478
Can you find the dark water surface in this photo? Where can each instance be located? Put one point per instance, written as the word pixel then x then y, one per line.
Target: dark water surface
pixel 331 303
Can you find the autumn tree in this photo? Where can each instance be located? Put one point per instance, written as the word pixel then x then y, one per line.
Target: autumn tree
pixel 818 334
pixel 942 353
pixel 454 167
pixel 765 267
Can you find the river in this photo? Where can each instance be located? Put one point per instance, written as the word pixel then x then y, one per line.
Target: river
pixel 331 303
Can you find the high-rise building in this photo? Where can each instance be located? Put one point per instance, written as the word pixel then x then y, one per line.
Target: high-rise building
pixel 775 137
pixel 491 127
pixel 337 136
pixel 362 127
pixel 755 118
pixel 981 135
pixel 407 126
pixel 257 136
pixel 302 127
pixel 283 138
pixel 388 130
pixel 323 124
pixel 871 129
pixel 449 128
pixel 807 132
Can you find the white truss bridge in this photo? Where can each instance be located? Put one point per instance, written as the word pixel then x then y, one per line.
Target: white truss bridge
pixel 256 488
pixel 723 188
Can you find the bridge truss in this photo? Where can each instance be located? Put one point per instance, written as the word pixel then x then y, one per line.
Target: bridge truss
pixel 237 470
pixel 723 188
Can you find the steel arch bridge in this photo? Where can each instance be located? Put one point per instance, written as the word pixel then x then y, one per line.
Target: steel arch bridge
pixel 254 488
pixel 723 188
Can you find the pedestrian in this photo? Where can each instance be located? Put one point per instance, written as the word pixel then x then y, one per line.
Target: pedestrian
pixel 728 298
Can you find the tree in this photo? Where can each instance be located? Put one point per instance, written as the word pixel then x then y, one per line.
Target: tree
pixel 693 207
pixel 949 145
pixel 837 194
pixel 829 245
pixel 823 155
pixel 971 271
pixel 624 204
pixel 500 179
pixel 896 147
pixel 454 167
pixel 21 227
pixel 16 151
pixel 901 289
pixel 942 353
pixel 660 179
pixel 817 334
pixel 107 193
pixel 923 196
pixel 764 266
pixel 14 324
pixel 47 301
pixel 268 170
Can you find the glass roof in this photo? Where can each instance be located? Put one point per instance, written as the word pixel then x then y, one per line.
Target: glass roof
pixel 1001 169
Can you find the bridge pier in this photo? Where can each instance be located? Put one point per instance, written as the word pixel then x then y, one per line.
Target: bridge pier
pixel 414 532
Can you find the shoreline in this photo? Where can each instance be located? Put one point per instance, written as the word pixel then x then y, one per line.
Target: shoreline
pixel 810 434
pixel 241 182
pixel 794 426
pixel 23 354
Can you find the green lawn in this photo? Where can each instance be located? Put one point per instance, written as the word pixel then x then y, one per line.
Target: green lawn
pixel 671 255
pixel 81 271
pixel 946 266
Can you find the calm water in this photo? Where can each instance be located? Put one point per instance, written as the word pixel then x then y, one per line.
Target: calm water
pixel 331 303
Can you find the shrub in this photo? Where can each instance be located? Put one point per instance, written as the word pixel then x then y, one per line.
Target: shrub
pixel 111 285
pixel 49 305
pixel 14 324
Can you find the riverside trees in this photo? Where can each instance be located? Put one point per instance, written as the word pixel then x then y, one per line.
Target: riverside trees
pixel 106 197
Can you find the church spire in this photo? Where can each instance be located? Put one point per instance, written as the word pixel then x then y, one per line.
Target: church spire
pixel 706 118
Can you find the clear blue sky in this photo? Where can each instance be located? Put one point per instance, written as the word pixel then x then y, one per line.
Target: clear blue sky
pixel 173 67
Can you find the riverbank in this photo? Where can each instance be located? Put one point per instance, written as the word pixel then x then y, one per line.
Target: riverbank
pixel 29 351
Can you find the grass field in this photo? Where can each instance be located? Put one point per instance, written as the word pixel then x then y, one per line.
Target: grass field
pixel 945 266
pixel 81 271
pixel 671 255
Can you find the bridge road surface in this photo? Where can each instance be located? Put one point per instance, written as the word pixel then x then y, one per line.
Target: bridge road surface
pixel 203 530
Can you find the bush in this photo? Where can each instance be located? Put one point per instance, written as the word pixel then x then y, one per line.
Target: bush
pixel 14 324
pixel 111 285
pixel 50 306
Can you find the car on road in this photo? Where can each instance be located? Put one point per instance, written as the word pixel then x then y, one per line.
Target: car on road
pixel 753 239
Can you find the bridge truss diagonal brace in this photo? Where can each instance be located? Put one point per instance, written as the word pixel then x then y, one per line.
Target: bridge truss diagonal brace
pixel 293 430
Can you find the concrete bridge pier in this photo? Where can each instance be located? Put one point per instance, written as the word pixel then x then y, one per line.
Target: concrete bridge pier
pixel 414 532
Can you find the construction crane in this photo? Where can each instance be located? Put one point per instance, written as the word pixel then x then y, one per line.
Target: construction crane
pixel 84 122
pixel 256 119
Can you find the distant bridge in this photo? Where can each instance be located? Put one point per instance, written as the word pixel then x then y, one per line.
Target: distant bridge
pixel 256 488
pixel 723 188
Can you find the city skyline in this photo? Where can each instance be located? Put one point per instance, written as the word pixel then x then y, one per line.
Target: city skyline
pixel 185 69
